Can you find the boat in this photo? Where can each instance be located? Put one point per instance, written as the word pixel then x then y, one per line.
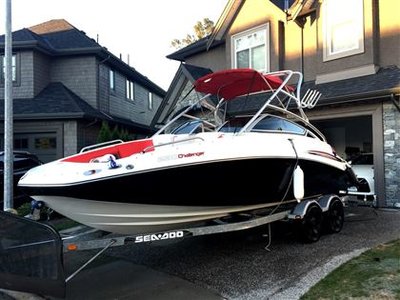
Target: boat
pixel 201 166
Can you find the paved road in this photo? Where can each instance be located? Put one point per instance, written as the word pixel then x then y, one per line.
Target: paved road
pixel 230 266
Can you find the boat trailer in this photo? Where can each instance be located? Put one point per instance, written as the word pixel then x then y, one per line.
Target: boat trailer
pixel 31 252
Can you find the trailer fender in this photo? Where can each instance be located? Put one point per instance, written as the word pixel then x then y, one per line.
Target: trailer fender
pixel 326 200
pixel 299 212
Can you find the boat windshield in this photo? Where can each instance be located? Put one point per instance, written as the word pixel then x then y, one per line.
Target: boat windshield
pixel 277 124
pixel 188 128
pixel 234 124
pixel 267 123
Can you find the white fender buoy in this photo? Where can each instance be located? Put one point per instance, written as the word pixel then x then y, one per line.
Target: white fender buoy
pixel 298 184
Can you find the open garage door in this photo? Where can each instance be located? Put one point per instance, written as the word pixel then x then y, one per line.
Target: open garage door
pixel 352 138
pixel 349 136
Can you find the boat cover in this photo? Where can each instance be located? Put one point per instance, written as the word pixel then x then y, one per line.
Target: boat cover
pixel 229 84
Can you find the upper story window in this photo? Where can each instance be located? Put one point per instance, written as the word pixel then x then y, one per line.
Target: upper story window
pixel 150 101
pixel 130 90
pixel 13 68
pixel 111 77
pixel 250 49
pixel 343 28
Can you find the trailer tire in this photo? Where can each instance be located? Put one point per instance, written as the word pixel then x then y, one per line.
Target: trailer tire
pixel 334 218
pixel 311 225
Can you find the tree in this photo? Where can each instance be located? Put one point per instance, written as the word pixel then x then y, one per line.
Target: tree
pixel 201 30
pixel 106 134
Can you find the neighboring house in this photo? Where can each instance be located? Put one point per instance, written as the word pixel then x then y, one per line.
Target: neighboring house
pixel 347 49
pixel 65 85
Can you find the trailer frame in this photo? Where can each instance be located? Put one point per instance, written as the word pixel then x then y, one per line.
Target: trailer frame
pixel 309 214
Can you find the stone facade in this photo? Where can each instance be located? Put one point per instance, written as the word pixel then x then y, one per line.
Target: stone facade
pixel 391 131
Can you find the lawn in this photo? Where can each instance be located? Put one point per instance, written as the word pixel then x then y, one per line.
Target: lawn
pixel 375 274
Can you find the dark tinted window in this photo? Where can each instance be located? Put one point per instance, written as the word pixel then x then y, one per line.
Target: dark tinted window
pixel 234 125
pixel 188 127
pixel 272 123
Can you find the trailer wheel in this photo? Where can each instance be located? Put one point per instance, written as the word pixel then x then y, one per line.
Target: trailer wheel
pixel 311 225
pixel 335 217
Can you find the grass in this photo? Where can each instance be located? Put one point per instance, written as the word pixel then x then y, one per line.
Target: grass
pixel 375 274
pixel 24 209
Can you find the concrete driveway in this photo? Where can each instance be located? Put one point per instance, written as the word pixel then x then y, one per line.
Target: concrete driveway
pixel 231 266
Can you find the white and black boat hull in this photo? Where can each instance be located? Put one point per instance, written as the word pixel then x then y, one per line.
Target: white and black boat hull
pixel 173 197
pixel 131 218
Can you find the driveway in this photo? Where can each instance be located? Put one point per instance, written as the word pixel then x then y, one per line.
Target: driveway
pixel 236 265
pixel 233 265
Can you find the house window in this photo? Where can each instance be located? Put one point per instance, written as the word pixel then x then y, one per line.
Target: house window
pixel 150 101
pixel 13 68
pixel 45 143
pixel 250 49
pixel 130 90
pixel 112 79
pixel 343 28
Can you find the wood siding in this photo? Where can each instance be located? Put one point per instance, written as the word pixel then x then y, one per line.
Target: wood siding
pixel 41 75
pixel 79 74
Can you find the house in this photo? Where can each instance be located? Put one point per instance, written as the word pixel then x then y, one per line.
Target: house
pixel 349 50
pixel 65 85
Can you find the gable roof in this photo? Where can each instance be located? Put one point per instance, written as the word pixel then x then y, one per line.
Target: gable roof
pixel 293 8
pixel 194 48
pixel 56 101
pixel 64 37
pixel 213 40
pixel 50 26
pixel 225 21
pixel 284 4
pixel 60 38
pixel 190 73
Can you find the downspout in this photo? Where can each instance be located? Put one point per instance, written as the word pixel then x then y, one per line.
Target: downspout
pixel 301 21
pixel 98 94
pixel 302 46
pixel 98 82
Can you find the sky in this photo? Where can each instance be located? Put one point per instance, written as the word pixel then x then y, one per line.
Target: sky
pixel 140 29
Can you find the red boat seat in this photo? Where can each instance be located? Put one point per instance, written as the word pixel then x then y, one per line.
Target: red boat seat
pixel 119 151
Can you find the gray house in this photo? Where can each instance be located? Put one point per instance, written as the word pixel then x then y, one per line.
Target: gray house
pixel 349 50
pixel 65 85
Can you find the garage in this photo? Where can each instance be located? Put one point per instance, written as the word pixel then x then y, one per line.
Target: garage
pixel 349 136
pixel 352 139
pixel 42 144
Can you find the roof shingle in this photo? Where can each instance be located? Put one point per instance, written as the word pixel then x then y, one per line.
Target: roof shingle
pixel 57 101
